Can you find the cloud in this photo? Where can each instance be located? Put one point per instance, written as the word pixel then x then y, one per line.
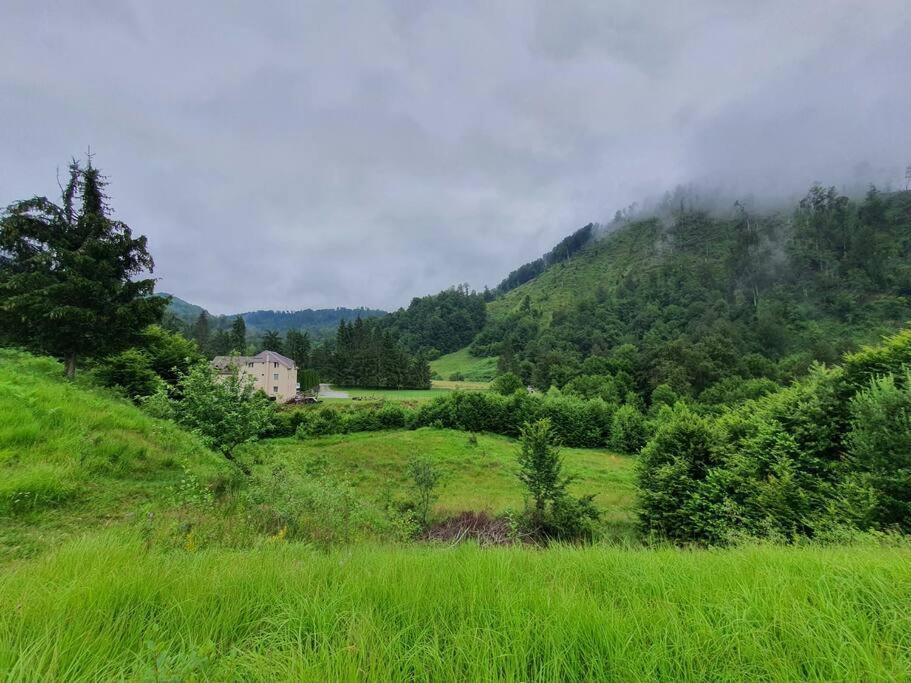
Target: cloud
pixel 321 154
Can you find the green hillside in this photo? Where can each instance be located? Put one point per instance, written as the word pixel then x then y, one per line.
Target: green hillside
pixel 693 299
pixel 461 362
pixel 73 458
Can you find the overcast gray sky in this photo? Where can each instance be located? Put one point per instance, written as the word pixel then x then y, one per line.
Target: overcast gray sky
pixel 298 154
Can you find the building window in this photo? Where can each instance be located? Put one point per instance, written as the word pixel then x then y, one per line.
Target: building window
pixel 275 376
pixel 274 365
pixel 274 390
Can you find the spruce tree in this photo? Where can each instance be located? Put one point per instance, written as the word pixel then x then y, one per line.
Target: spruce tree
pixel 69 274
pixel 201 332
pixel 239 335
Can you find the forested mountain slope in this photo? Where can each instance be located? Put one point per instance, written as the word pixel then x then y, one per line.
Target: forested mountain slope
pixel 694 300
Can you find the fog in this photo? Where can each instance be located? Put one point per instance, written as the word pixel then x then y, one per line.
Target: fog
pixel 294 155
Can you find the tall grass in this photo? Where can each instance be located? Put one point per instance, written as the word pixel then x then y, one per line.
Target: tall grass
pixel 102 608
pixel 73 456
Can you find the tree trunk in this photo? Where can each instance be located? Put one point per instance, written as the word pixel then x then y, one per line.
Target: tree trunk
pixel 71 364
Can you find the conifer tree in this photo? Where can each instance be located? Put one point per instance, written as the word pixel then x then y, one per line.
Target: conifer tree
pixel 69 274
pixel 239 335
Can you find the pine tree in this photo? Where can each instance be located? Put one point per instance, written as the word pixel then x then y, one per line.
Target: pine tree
pixel 201 332
pixel 272 341
pixel 297 346
pixel 239 335
pixel 68 277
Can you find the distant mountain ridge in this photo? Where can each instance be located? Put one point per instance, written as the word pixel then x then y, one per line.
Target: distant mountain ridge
pixel 318 322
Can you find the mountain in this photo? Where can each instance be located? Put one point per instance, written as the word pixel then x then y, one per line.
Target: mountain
pixel 696 300
pixel 318 322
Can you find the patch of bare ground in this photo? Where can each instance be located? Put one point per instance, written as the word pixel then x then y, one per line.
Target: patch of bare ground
pixel 471 526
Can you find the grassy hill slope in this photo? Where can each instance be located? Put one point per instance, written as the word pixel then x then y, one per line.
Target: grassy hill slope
pixel 73 458
pixel 472 368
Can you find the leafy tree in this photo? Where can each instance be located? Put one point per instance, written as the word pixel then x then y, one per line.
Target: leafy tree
pixel 507 384
pixel 225 411
pixel 425 477
pixel 629 429
pixel 238 335
pixel 68 275
pixel 440 323
pixel 272 341
pixel 670 473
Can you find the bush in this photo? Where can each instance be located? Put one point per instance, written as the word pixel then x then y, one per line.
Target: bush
pixel 879 442
pixel 224 411
pixel 553 513
pixel 131 372
pixel 457 377
pixel 506 384
pixel 629 430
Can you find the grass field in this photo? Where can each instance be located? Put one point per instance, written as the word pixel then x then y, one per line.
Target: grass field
pixel 72 457
pixel 473 369
pixel 103 608
pixel 478 477
pixel 391 394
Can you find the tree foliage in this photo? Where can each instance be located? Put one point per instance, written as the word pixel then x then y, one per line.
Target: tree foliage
pixel 70 280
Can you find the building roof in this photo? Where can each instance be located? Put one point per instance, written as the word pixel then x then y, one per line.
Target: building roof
pixel 224 363
pixel 273 357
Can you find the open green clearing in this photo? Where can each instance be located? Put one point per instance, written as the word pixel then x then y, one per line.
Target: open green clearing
pixel 389 394
pixel 479 477
pixel 103 608
pixel 473 369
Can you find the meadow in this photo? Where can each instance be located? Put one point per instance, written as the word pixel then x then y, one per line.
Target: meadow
pixel 389 394
pixel 471 368
pixel 478 471
pixel 106 608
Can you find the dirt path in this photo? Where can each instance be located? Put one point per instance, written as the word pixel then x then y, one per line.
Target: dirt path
pixel 326 391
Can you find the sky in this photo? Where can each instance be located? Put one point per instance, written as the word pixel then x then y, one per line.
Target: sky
pixel 291 155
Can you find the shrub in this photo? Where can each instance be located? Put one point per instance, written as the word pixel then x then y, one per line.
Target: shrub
pixel 320 422
pixel 425 477
pixel 130 371
pixel 457 377
pixel 879 442
pixel 553 513
pixel 629 429
pixel 224 411
pixel 506 384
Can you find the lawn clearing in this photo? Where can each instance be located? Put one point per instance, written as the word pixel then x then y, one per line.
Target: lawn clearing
pixel 472 368
pixel 478 477
pixel 391 394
